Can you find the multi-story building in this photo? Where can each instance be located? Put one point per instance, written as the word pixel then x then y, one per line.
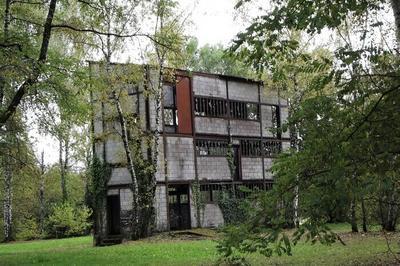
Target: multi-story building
pixel 203 114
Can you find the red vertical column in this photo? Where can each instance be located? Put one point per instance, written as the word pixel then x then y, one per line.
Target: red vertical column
pixel 183 104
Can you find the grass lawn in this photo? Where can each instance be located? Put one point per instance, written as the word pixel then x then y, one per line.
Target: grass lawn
pixel 360 250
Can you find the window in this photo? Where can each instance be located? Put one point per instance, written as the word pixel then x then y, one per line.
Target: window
pixel 209 107
pixel 251 148
pixel 172 199
pixel 214 107
pixel 252 111
pixel 243 110
pixel 211 147
pixel 271 148
pixel 212 192
pixel 170 111
pixel 184 199
pixel 257 148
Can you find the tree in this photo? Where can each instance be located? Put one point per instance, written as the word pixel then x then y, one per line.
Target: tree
pixel 344 120
pixel 214 59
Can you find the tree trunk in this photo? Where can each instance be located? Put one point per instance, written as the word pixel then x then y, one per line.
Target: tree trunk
pixel 392 213
pixel 396 13
pixel 41 195
pixel 63 167
pixel 7 204
pixel 353 218
pixel 364 216
pixel 131 168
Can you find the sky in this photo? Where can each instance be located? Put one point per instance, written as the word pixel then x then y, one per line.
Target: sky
pixel 212 22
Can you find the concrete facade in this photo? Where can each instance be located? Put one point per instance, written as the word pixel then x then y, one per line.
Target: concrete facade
pixel 196 157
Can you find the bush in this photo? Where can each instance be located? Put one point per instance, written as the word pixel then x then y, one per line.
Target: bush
pixel 28 229
pixel 233 208
pixel 67 220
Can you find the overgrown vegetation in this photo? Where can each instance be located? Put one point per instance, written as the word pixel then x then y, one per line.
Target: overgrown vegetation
pixel 368 249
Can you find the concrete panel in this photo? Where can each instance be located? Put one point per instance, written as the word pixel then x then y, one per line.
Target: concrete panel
pixel 243 91
pixel 245 128
pixel 209 86
pixel 213 168
pixel 161 209
pixel 252 168
pixel 126 199
pixel 285 145
pixel 119 176
pixel 268 164
pixel 270 96
pixel 209 125
pixel 98 128
pixel 115 152
pixel 98 146
pixel 210 216
pixel 266 116
pixel 180 158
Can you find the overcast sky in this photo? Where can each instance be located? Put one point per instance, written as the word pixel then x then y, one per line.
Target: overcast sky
pixel 213 21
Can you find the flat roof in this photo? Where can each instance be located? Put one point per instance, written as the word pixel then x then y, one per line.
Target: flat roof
pixel 191 73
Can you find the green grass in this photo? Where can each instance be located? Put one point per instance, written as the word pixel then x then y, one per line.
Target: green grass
pixel 360 249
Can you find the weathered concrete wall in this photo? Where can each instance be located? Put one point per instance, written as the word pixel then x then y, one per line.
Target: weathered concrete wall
pixel 209 86
pixel 252 168
pixel 266 116
pixel 126 208
pixel 213 168
pixel 126 199
pixel 285 145
pixel 209 125
pixel 119 176
pixel 269 96
pixel 245 128
pixel 180 158
pixel 115 152
pixel 243 91
pixel 268 165
pixel 210 216
pixel 161 206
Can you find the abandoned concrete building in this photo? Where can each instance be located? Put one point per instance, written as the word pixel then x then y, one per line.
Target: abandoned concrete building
pixel 202 114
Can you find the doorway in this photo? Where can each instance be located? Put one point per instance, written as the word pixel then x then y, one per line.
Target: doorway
pixel 113 214
pixel 179 207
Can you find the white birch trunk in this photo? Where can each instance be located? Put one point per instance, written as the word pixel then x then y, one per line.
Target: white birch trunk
pixel 396 14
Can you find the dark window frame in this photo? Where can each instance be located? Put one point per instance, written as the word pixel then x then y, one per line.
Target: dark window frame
pixel 265 148
pixel 214 107
pixel 174 109
pixel 220 146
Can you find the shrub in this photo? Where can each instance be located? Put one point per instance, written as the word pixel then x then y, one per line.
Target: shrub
pixel 66 220
pixel 28 229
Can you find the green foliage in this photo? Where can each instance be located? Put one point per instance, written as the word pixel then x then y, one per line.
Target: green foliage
pixel 232 207
pixel 66 220
pixel 343 119
pixel 198 201
pixel 28 229
pixel 214 59
pixel 99 176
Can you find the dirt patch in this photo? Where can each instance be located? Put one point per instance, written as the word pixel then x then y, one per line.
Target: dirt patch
pixel 194 234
